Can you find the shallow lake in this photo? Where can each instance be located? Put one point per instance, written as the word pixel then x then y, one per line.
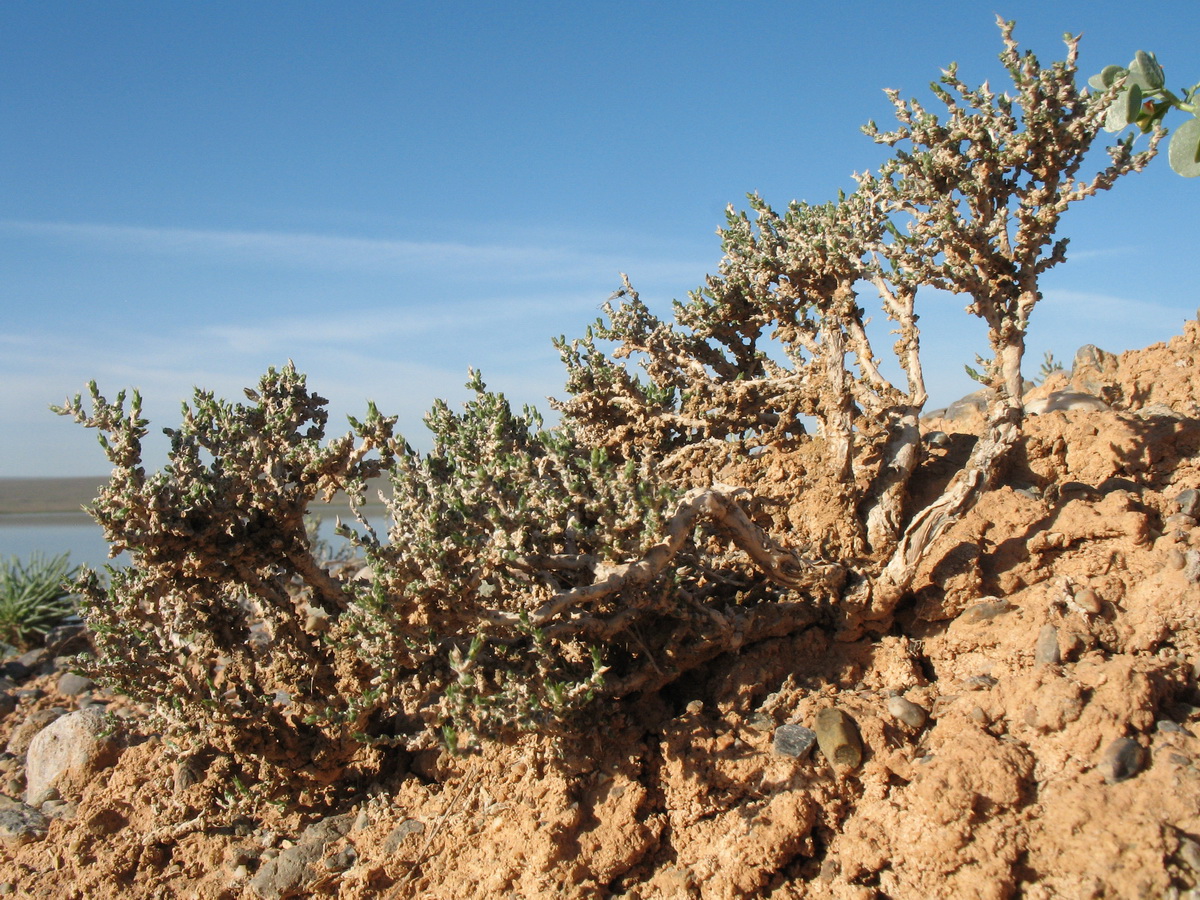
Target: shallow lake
pixel 52 534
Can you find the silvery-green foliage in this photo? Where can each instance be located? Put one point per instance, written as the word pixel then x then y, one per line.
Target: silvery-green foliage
pixel 205 624
pixel 502 516
pixel 1143 99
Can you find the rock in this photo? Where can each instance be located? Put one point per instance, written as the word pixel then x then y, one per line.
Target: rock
pixel 906 711
pixel 1189 854
pixel 399 833
pixel 937 439
pixel 794 740
pixel 1121 759
pixel 838 738
pixel 288 873
pixel 984 610
pixel 66 754
pixel 1046 652
pixel 968 407
pixel 8 703
pixel 1065 401
pixel 1088 601
pixel 67 639
pixel 24 733
pixel 1093 369
pixel 21 824
pixel 1188 502
pixel 72 685
pixel 38 661
pixel 15 671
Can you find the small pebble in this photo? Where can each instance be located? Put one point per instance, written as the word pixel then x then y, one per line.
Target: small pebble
pixel 937 439
pixel 838 738
pixel 72 685
pixel 985 610
pixel 342 860
pixel 1188 502
pixel 906 711
pixel 979 683
pixel 1179 759
pixel 1189 853
pixel 1047 653
pixel 1088 600
pixel 1171 727
pixel 1121 759
pixel 1175 559
pixel 794 740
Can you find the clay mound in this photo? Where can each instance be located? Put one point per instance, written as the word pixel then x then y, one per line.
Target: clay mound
pixel 1052 640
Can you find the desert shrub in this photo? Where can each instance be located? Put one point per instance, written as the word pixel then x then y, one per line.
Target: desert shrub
pixel 34 597
pixel 528 571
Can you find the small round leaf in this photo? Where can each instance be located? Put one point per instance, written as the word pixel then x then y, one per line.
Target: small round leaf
pixel 1118 113
pixel 1146 72
pixel 1184 151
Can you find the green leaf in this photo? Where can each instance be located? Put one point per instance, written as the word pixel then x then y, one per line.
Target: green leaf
pixel 1133 103
pixel 1118 113
pixel 1145 72
pixel 1105 78
pixel 1184 151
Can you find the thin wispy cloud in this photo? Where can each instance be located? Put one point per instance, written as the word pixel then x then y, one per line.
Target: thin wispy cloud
pixel 452 260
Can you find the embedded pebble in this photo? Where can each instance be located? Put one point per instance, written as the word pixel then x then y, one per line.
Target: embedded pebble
pixel 985 610
pixel 1189 853
pixel 838 738
pixel 1175 559
pixel 979 683
pixel 1088 600
pixel 20 824
pixel 1188 502
pixel 1166 725
pixel 906 711
pixel 72 685
pixel 794 740
pixel 937 439
pixel 1047 653
pixel 1121 759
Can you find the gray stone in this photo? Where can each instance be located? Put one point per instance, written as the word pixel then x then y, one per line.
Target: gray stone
pixel 794 740
pixel 24 733
pixel 67 753
pixel 1065 401
pixel 1189 502
pixel 1046 653
pixel 1121 759
pixel 67 639
pixel 968 407
pixel 938 439
pixel 72 685
pixel 393 841
pixel 8 703
pixel 1189 853
pixel 287 874
pixel 21 824
pixel 906 711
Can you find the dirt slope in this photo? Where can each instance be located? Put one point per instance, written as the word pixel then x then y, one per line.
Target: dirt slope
pixel 1053 641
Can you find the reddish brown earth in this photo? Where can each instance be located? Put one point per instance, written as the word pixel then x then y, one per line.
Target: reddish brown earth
pixel 1082 554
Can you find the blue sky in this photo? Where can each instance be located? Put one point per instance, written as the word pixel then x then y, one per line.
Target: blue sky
pixel 388 193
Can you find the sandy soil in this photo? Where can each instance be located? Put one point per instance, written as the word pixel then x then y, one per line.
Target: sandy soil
pixel 1052 640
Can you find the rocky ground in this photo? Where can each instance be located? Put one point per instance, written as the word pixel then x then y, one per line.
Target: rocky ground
pixel 1029 727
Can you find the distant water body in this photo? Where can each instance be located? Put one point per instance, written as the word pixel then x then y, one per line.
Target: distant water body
pixel 52 534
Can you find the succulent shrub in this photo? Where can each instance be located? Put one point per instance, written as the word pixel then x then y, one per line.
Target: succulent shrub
pixel 529 571
pixel 34 597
